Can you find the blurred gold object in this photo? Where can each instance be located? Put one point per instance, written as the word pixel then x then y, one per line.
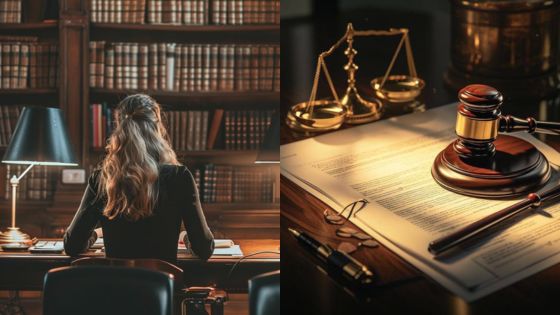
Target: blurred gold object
pixel 510 45
pixel 329 114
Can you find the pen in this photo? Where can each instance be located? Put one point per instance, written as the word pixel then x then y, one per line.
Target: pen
pixel 477 228
pixel 340 261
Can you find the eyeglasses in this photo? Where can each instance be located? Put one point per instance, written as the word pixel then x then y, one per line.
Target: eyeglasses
pixel 339 219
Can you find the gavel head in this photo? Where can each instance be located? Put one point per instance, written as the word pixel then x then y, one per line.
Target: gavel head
pixel 478 118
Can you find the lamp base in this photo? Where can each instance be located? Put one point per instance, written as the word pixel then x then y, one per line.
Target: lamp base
pixel 14 235
pixel 516 168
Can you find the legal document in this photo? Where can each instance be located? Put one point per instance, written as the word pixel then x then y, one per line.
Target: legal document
pixel 389 164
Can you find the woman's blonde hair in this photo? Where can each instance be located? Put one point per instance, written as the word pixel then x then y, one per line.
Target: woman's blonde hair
pixel 129 172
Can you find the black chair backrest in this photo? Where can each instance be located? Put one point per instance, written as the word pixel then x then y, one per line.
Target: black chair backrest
pixel 146 263
pixel 264 294
pixel 107 290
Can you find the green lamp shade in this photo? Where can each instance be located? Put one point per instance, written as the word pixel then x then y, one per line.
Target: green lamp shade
pixel 41 138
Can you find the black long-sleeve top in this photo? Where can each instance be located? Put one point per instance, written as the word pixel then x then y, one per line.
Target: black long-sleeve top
pixel 152 237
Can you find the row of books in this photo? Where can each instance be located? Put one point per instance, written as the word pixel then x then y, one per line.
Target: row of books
pixel 38 184
pixel 184 67
pixel 188 12
pixel 227 183
pixel 245 129
pixel 195 130
pixel 188 129
pixel 10 11
pixel 117 11
pixel 236 12
pixel 28 64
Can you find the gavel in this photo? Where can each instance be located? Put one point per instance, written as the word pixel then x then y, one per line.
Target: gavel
pixel 483 163
pixel 479 120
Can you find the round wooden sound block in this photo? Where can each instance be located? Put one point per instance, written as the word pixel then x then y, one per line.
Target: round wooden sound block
pixel 517 168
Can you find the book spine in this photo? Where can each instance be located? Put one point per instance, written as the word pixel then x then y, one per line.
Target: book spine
pixel 92 64
pixel 133 69
pixel 170 66
pixel 162 66
pixel 191 131
pixel 143 66
pixel 24 66
pixel 204 130
pixel 119 66
pixel 110 67
pixel 153 67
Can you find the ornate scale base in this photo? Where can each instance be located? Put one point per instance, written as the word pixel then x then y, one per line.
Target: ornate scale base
pixel 360 110
pixel 517 168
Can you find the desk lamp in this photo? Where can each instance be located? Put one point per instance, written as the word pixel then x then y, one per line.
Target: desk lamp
pixel 40 138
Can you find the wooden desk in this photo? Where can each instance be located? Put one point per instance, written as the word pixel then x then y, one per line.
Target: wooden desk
pixel 402 288
pixel 25 271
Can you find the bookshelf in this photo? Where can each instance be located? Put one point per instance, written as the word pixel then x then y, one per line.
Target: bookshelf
pixel 73 32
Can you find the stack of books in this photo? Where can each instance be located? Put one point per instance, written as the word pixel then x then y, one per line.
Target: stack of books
pixel 184 67
pixel 10 11
pixel 245 129
pixel 227 183
pixel 38 184
pixel 27 63
pixel 118 11
pixel 9 115
pixel 188 129
pixel 236 12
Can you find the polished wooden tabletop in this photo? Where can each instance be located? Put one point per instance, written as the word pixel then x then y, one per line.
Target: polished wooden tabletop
pixel 401 288
pixel 25 271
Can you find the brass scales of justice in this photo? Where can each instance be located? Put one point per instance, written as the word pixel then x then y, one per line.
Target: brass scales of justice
pixel 329 114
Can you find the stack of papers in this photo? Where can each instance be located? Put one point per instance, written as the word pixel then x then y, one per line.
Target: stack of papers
pixel 222 247
pixel 388 163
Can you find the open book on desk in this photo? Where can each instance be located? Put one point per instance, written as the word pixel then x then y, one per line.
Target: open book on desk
pixel 389 164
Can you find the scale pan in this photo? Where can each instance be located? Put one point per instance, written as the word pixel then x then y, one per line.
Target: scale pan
pixel 326 115
pixel 398 88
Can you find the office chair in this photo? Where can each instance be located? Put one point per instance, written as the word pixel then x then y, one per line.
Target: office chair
pixel 186 299
pixel 264 294
pixel 107 290
pixel 145 263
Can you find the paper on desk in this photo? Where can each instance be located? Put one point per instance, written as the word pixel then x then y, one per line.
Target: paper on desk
pixel 389 163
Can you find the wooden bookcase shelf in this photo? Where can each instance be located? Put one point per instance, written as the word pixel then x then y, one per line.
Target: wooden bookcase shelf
pixel 197 100
pixel 73 32
pixel 186 28
pixel 185 33
pixel 29 91
pixel 51 25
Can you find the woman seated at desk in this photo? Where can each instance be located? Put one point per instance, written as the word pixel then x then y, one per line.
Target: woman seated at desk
pixel 140 194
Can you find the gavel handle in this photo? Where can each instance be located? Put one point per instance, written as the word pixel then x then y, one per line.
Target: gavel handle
pixel 511 124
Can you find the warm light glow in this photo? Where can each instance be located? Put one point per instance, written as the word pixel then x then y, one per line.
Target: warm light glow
pixel 267 162
pixel 41 163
